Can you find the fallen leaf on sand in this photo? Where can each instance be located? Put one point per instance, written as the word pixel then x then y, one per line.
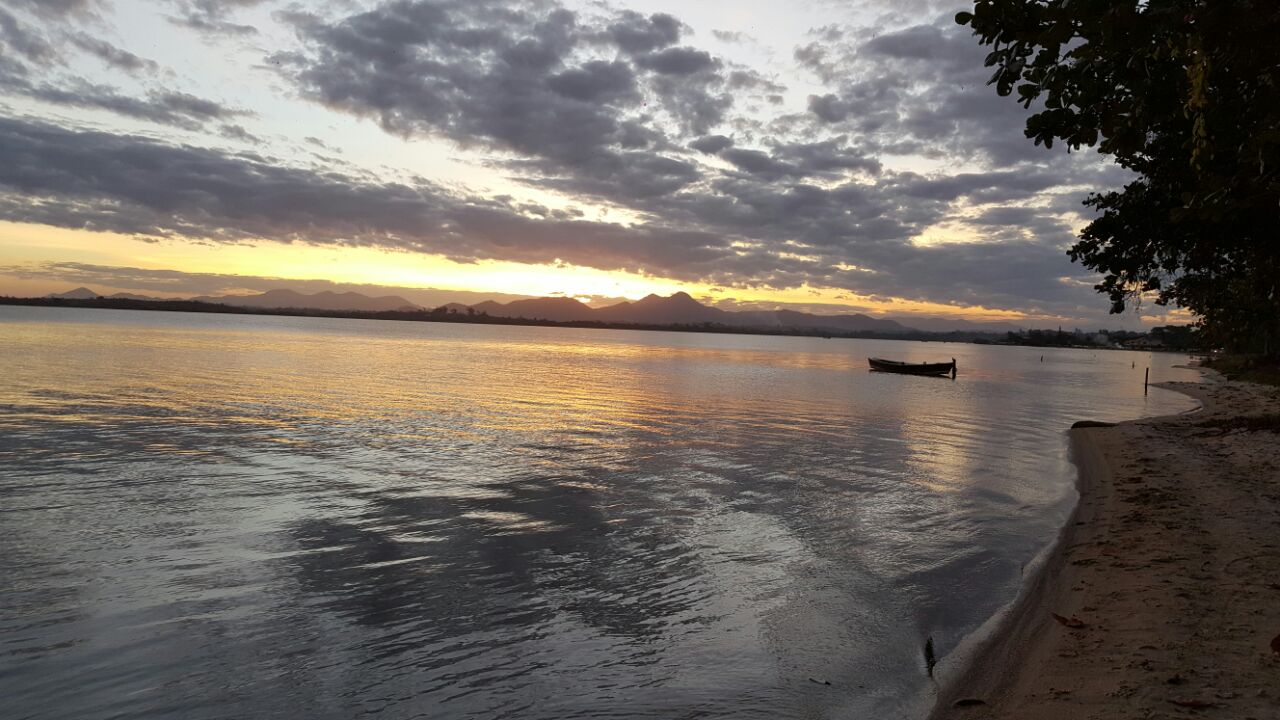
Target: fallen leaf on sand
pixel 1194 704
pixel 1071 622
pixel 1275 644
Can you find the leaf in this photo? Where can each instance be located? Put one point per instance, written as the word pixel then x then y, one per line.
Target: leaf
pixel 1275 644
pixel 1071 622
pixel 964 18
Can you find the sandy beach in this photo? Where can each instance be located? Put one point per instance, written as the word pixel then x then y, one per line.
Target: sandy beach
pixel 1162 598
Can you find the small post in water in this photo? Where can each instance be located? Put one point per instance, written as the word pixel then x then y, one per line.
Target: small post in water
pixel 1145 376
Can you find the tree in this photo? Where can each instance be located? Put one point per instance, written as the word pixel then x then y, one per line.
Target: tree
pixel 1186 94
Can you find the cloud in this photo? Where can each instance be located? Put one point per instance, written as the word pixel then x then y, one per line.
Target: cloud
pixel 596 81
pixel 922 88
pixel 748 232
pixel 237 132
pixel 212 16
pixel 29 71
pixel 828 108
pixel 597 104
pixel 711 144
pixel 56 8
pixel 678 61
pixel 112 55
pixel 730 36
pixel 165 107
pixel 582 103
pixel 634 34
pixel 25 41
pixel 153 189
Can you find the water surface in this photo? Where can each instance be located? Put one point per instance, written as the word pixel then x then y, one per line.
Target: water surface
pixel 213 516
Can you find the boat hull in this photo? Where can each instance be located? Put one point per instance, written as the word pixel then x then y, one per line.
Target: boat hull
pixel 895 366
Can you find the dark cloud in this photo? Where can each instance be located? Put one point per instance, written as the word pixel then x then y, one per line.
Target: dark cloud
pixel 678 61
pixel 213 16
pixel 922 88
pixel 1009 184
pixel 814 57
pixel 177 109
pixel 596 81
pixel 922 42
pixel 750 80
pixel 634 33
pixel 711 144
pixel 237 132
pixel 801 160
pixel 587 106
pixel 56 8
pixel 22 40
pixel 828 108
pixel 112 55
pixel 152 189
pixel 759 163
pixel 827 157
pixel 605 105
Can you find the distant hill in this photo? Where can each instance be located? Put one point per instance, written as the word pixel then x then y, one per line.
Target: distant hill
pixel 80 293
pixel 555 309
pixel 682 309
pixel 677 309
pixel 319 301
pixel 130 296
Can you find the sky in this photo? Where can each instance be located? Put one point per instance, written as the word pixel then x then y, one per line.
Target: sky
pixel 817 155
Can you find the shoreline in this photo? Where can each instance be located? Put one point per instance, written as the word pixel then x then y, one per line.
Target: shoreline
pixel 975 337
pixel 1146 627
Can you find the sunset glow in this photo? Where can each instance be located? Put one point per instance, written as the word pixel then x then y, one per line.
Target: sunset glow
pixel 690 150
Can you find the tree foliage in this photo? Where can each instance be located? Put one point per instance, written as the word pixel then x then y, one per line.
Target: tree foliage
pixel 1185 93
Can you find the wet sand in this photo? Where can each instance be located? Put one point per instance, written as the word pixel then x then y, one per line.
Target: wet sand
pixel 1162 598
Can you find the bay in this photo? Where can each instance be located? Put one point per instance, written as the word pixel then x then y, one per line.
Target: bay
pixel 230 516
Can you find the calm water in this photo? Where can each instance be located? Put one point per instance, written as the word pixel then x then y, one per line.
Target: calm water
pixel 208 516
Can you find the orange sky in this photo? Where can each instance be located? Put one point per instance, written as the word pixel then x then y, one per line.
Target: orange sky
pixel 31 245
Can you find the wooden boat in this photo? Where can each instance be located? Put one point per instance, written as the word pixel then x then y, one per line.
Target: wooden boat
pixel 897 366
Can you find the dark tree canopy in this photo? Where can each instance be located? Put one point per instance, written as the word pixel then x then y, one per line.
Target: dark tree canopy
pixel 1186 93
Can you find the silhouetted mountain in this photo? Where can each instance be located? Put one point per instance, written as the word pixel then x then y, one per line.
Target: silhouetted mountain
pixel 677 309
pixel 130 296
pixel 555 309
pixel 681 309
pixel 319 301
pixel 80 293
pixel 455 307
pixel 657 310
pixel 490 307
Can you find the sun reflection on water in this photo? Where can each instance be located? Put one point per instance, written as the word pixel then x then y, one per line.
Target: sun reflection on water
pixel 359 516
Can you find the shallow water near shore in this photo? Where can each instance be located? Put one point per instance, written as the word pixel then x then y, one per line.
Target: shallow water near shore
pixel 212 516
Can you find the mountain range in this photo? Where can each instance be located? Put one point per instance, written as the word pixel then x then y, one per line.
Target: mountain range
pixel 677 309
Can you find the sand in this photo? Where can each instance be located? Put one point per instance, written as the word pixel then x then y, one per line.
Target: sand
pixel 1166 580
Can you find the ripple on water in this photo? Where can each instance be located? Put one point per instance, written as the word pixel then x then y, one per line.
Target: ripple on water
pixel 209 517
